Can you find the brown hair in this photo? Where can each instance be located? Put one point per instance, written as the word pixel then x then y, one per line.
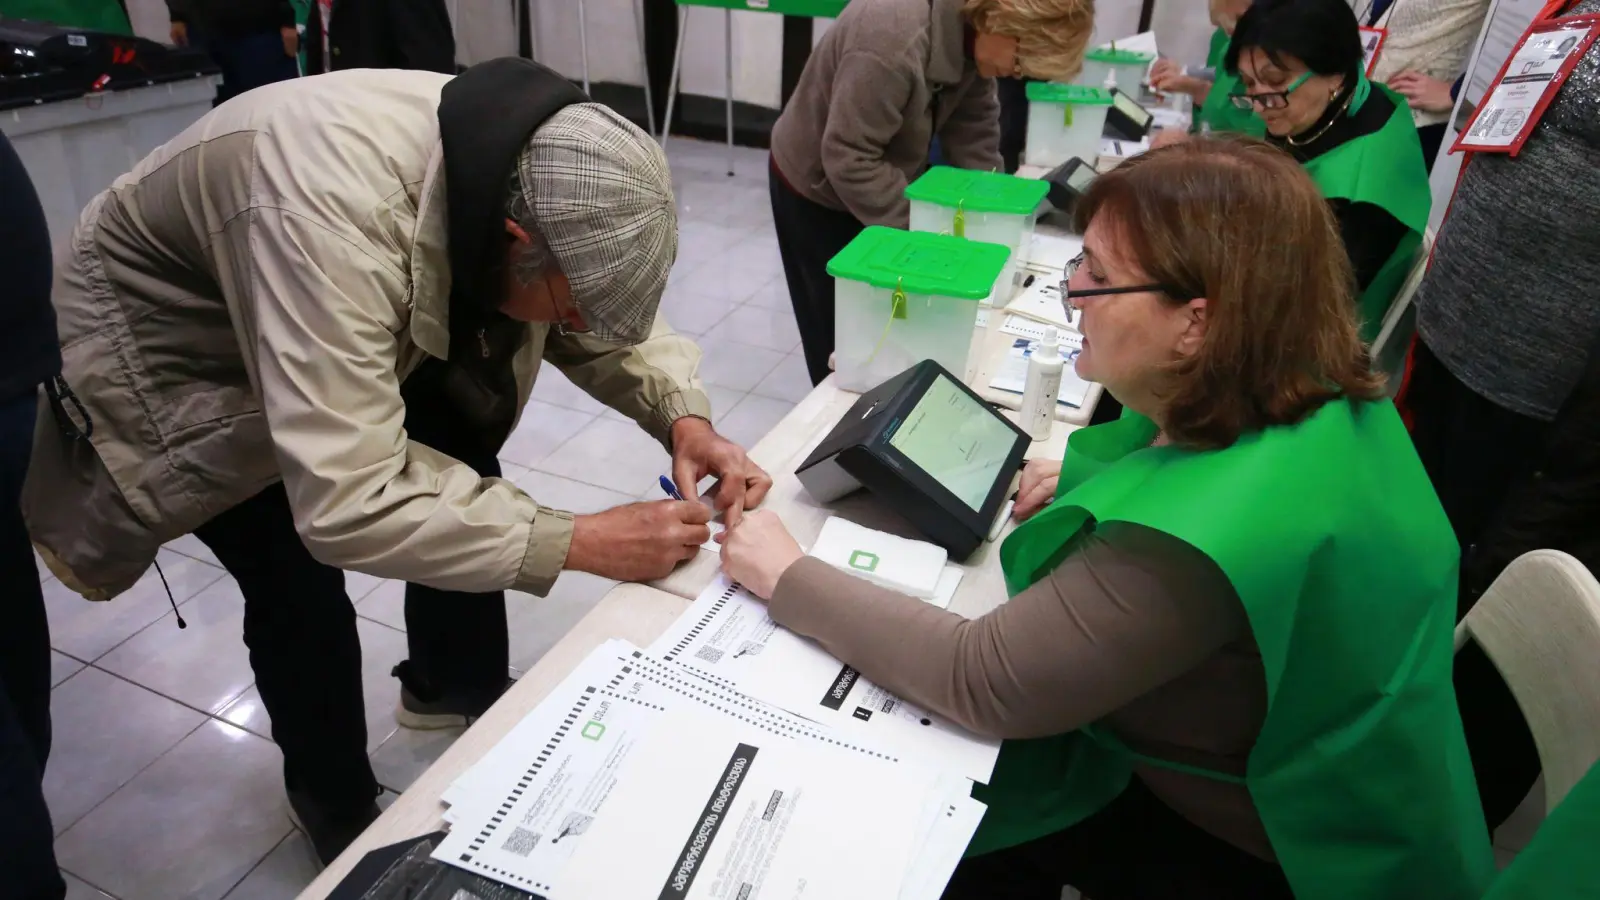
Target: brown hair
pixel 1240 223
pixel 1052 35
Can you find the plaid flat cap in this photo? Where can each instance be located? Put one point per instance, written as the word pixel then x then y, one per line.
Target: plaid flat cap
pixel 601 193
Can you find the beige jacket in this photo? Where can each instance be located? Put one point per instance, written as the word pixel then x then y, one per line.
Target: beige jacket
pixel 242 308
pixel 1433 37
pixel 887 77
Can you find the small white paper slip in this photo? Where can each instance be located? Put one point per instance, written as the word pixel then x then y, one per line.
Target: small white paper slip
pixel 900 564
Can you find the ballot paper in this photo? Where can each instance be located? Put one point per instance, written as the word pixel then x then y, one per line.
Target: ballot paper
pixel 618 667
pixel 521 811
pixel 1050 254
pixel 712 809
pixel 727 635
pixel 1041 301
pixel 525 812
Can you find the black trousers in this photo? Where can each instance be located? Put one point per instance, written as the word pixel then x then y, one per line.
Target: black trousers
pixel 1472 449
pixel 1136 848
pixel 300 628
pixel 809 235
pixel 249 61
pixel 1013 96
pixel 27 840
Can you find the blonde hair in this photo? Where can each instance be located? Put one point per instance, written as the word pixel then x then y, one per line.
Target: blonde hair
pixel 1052 35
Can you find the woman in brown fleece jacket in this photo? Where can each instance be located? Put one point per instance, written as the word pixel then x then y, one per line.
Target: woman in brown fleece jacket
pixel 888 77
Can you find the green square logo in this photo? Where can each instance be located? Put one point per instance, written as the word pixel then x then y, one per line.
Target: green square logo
pixel 593 730
pixel 861 559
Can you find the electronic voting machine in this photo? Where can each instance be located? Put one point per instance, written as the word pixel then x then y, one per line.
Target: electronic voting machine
pixel 928 447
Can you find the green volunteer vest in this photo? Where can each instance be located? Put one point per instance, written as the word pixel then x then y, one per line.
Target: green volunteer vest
pixel 1332 536
pixel 1386 169
pixel 1560 862
pixel 1218 111
pixel 89 15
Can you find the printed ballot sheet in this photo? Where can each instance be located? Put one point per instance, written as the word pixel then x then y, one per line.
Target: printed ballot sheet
pixel 780 668
pixel 520 812
pixel 712 809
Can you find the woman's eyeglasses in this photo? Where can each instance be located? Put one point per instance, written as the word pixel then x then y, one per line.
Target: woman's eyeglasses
pixel 1067 294
pixel 1269 99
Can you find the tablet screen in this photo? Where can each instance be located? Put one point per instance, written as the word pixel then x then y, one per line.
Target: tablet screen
pixel 1131 108
pixel 1081 178
pixel 956 440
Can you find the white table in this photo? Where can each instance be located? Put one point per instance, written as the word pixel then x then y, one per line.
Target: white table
pixel 640 613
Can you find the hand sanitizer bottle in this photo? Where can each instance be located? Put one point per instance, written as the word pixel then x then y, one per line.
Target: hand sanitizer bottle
pixel 1042 387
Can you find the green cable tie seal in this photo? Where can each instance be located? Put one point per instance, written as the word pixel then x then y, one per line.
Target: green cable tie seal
pixel 1066 118
pixel 897 303
pixel 960 223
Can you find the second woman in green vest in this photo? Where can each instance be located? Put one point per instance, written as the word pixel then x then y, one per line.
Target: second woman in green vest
pixel 1299 65
pixel 1224 670
pixel 1211 86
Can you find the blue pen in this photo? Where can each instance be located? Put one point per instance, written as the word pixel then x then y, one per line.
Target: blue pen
pixel 670 488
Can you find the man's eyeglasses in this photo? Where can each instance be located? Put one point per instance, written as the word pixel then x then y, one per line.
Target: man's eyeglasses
pixel 1067 294
pixel 1269 99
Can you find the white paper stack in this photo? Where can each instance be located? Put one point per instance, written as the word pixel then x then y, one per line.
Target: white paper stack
pixel 727 636
pixel 636 776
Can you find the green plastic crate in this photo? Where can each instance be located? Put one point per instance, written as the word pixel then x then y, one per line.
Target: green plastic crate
pixel 904 296
pixel 976 191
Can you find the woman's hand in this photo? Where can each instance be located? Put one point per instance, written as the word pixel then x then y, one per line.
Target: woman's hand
pixel 758 551
pixel 1037 489
pixel 1167 77
pixel 1164 71
pixel 1423 92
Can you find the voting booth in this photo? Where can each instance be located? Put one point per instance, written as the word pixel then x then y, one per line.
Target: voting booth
pixel 927 447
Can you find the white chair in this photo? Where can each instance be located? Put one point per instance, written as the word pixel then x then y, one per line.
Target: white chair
pixel 1389 348
pixel 1539 623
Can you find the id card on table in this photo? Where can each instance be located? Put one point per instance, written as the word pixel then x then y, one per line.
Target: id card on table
pixel 1528 81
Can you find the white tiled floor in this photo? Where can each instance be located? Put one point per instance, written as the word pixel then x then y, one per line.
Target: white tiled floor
pixel 163 780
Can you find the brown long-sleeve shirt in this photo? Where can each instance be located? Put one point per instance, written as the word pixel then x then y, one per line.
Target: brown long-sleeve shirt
pixel 1136 630
pixel 887 76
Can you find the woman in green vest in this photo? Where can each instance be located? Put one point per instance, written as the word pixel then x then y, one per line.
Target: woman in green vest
pixel 1300 67
pixel 1224 670
pixel 1212 86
